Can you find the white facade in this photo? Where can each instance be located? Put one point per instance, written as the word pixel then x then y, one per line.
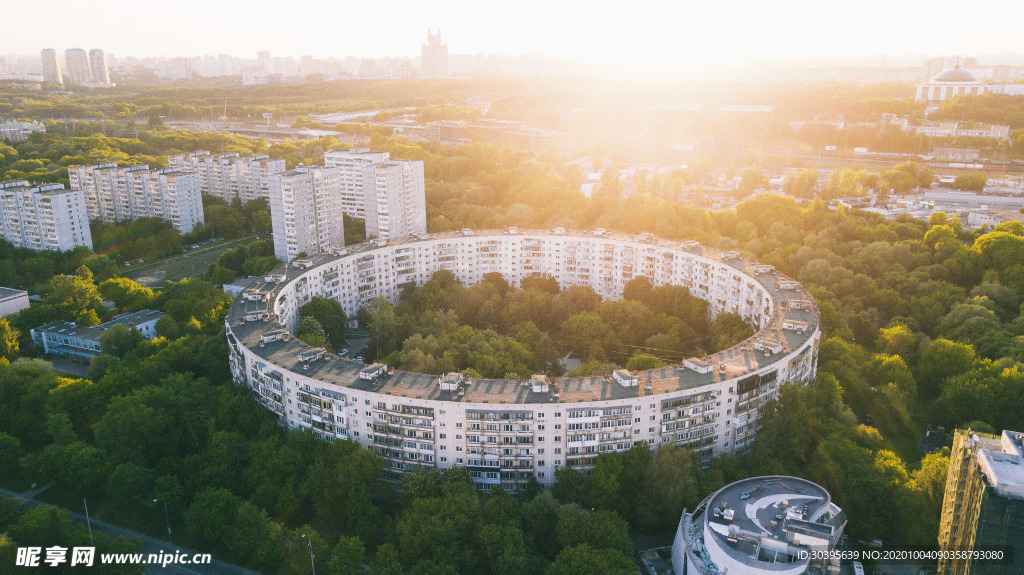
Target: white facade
pixel 351 165
pixel 395 202
pixel 953 130
pixel 176 197
pixel 68 339
pixel 43 217
pixel 98 63
pixel 507 431
pixel 16 131
pixel 230 176
pixel 97 182
pixel 51 67
pixel 114 194
pixel 389 195
pixel 959 81
pixel 78 66
pixel 761 526
pixel 305 212
pixel 12 301
pixel 434 56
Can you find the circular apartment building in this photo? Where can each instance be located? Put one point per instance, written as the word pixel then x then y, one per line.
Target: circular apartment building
pixel 506 431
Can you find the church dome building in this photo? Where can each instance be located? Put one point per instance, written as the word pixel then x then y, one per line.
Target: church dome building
pixel 949 84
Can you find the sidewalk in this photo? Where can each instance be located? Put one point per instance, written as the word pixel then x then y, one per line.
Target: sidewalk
pixel 149 544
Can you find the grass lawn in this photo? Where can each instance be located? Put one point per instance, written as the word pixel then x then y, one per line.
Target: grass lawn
pixel 192 264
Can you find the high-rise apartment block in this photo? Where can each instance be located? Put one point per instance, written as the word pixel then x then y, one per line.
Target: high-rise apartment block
pixel 230 176
pixel 98 63
pixel 43 217
pixel 78 66
pixel 51 67
pixel 305 211
pixel 114 194
pixel 983 508
pixel 352 163
pixel 388 194
pixel 435 57
pixel 396 203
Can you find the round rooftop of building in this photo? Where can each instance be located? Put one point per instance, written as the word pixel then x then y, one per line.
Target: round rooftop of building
pixel 507 430
pixel 956 75
pixel 762 525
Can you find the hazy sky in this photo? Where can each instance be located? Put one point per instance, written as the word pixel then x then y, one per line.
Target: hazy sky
pixel 666 34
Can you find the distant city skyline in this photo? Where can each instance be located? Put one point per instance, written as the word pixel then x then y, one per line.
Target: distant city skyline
pixel 641 36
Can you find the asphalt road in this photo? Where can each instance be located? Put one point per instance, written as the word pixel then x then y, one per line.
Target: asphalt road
pixel 149 545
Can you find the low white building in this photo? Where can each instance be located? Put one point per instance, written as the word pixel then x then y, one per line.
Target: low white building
pixel 14 131
pixel 68 339
pixel 959 81
pixel 12 300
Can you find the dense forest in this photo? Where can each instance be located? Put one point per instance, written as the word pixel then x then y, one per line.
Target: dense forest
pixel 494 330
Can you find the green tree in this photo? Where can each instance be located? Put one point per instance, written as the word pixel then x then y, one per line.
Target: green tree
pixel 58 425
pixel 10 455
pixel 311 332
pixel 974 181
pixel 585 560
pixel 349 557
pixel 125 293
pixel 599 529
pixel 941 360
pixel 8 341
pixel 131 430
pixel 751 179
pixel 386 561
pixel 331 317
pixel 167 327
pixel 130 482
pixel 670 485
pixel 75 298
pixel 119 340
pixel 728 329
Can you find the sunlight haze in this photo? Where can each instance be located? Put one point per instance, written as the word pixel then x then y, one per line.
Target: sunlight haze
pixel 657 36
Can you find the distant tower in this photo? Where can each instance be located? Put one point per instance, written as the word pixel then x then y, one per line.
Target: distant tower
pixel 51 67
pixel 78 66
pixel 435 57
pixel 266 64
pixel 98 62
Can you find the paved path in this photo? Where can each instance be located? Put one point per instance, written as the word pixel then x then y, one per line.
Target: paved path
pixel 149 544
pixel 69 366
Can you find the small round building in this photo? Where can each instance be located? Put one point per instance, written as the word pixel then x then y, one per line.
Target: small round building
pixel 506 431
pixel 760 526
